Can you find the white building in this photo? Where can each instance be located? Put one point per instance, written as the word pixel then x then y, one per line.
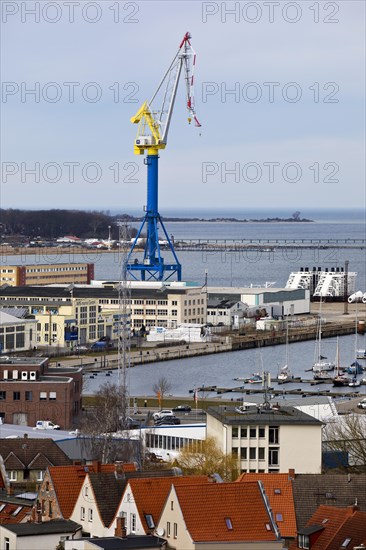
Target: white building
pixel 16 334
pixel 283 301
pixel 37 536
pixel 273 439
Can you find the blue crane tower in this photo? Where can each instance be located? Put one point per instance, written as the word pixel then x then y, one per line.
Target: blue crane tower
pixel 152 136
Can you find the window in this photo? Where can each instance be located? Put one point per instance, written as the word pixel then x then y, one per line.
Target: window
pixel 168 529
pixel 149 521
pixel 279 517
pixel 52 395
pixel 252 453
pixel 175 530
pixel 82 513
pixel 345 543
pixel 243 453
pixel 7 543
pixel 234 452
pixel 133 523
pixel 172 505
pixel 16 396
pixel 28 396
pixel 235 431
pixel 243 432
pixel 43 396
pixel 261 452
pixel 253 432
pixel 90 514
pixel 13 475
pixel 2 395
pixel 273 435
pixel 50 508
pixel 303 541
pixel 273 456
pixel 40 475
pixel 229 525
pixel 261 432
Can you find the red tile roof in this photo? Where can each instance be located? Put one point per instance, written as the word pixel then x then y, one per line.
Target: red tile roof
pixel 278 488
pixel 205 508
pixel 339 524
pixel 150 494
pixel 7 513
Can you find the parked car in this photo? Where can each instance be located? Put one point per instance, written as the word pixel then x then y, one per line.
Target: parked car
pixel 182 408
pixel 163 412
pixel 167 420
pixel 362 404
pixel 46 425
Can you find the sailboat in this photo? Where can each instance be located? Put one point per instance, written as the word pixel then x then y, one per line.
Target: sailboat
pixel 355 368
pixel 340 379
pixel 319 360
pixel 285 374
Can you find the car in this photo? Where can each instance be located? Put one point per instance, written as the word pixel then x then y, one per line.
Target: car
pixel 167 420
pixel 362 404
pixel 163 412
pixel 182 408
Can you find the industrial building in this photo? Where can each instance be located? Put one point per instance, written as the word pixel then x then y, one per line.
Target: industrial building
pixel 46 274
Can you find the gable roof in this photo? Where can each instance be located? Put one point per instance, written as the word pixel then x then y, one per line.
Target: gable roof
pixel 336 526
pixel 107 492
pixel 278 488
pixel 312 490
pixel 150 494
pixel 19 453
pixel 205 508
pixel 67 482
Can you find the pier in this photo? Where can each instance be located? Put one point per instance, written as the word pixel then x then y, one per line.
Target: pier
pixel 268 245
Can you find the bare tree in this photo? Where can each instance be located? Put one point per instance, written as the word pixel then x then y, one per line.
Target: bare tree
pixel 207 459
pixel 347 434
pixel 161 388
pixel 107 417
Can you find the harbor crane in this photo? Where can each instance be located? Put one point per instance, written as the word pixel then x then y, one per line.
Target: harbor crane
pixel 153 119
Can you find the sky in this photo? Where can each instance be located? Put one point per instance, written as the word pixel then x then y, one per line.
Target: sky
pixel 279 91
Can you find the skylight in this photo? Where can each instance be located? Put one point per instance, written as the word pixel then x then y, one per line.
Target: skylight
pixel 149 521
pixel 346 542
pixel 279 517
pixel 16 512
pixel 2 506
pixel 229 525
pixel 277 491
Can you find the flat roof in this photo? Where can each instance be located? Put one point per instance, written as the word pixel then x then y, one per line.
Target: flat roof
pixel 45 528
pixel 283 415
pixel 22 361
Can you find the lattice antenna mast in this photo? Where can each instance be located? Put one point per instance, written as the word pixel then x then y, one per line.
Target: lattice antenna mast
pixel 123 324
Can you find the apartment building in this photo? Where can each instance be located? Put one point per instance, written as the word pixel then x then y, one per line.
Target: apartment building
pixel 46 274
pixel 270 439
pixel 31 391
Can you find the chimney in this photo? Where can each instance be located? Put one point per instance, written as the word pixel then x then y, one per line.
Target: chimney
pixel 25 436
pixel 120 530
pixel 291 473
pixel 118 470
pixel 96 466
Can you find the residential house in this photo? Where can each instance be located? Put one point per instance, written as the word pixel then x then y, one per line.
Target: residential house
pixel 262 437
pixel 97 501
pixel 312 490
pixel 332 528
pixel 61 486
pixel 26 459
pixel 130 542
pixel 15 508
pixel 144 498
pixel 219 516
pixel 37 536
pixel 278 489
pixel 31 390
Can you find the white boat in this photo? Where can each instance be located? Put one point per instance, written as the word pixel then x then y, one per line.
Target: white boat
pixel 340 379
pixel 354 383
pixel 319 360
pixel 256 378
pixel 361 353
pixel 322 375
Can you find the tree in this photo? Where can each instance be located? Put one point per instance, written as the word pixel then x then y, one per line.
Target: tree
pixel 103 420
pixel 347 435
pixel 206 460
pixel 161 388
